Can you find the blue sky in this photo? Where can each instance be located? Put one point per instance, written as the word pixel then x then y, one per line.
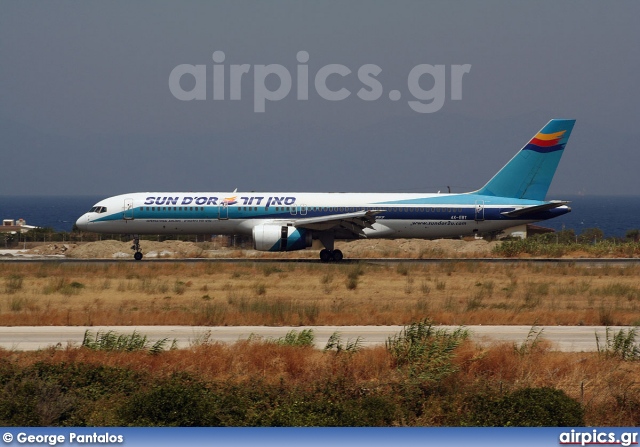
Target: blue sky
pixel 86 107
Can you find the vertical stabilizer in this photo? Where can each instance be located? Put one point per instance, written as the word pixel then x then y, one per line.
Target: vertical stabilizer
pixel 529 173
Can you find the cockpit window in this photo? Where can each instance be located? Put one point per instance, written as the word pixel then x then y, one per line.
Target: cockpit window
pixel 98 209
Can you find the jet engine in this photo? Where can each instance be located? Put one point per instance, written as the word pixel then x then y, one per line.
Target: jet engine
pixel 273 237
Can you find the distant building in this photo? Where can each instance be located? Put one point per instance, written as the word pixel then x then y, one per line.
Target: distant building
pixel 12 226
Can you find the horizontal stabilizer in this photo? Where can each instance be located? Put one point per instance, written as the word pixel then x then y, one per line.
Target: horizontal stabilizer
pixel 523 212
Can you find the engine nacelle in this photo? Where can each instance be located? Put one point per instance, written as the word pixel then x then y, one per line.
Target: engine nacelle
pixel 273 237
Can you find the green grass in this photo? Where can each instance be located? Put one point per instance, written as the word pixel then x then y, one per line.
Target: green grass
pixel 335 343
pixel 621 344
pixel 424 352
pixel 298 339
pixel 111 341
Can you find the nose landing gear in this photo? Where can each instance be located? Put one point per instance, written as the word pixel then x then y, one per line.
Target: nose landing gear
pixel 136 247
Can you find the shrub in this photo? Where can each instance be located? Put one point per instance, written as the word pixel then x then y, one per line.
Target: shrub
pixel 633 235
pixel 591 235
pixel 424 351
pixel 32 402
pixel 527 407
pixel 60 394
pixel 174 403
pixel 307 410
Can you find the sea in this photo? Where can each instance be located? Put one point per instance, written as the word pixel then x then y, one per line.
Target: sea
pixel 614 215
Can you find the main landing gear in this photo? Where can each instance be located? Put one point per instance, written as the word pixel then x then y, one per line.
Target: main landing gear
pixel 136 247
pixel 330 255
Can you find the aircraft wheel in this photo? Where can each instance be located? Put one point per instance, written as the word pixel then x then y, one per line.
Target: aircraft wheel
pixel 325 255
pixel 337 255
pixel 137 256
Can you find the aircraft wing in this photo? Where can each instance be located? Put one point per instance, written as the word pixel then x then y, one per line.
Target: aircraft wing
pixel 523 212
pixel 353 222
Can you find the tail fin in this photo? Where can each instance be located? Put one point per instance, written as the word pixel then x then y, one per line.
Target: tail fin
pixel 529 173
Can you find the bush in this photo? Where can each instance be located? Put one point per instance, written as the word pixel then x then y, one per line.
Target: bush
pixel 61 394
pixel 174 403
pixel 591 236
pixel 528 407
pixel 325 411
pixel 633 235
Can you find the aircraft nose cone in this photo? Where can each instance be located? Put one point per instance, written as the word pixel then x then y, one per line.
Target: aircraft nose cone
pixel 83 223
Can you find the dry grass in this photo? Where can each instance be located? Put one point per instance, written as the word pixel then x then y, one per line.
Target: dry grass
pixel 248 293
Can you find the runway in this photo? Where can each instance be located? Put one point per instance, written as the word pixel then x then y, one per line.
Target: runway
pixel 587 262
pixel 29 338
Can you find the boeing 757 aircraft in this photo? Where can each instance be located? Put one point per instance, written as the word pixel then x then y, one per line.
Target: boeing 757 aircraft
pixel 292 221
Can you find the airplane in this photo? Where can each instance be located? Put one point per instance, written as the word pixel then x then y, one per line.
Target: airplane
pixel 280 221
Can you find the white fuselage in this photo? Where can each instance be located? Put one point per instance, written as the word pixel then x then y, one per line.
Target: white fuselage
pixel 426 216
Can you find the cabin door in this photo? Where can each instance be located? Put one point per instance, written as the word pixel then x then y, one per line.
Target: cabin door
pixel 479 210
pixel 128 209
pixel 223 211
